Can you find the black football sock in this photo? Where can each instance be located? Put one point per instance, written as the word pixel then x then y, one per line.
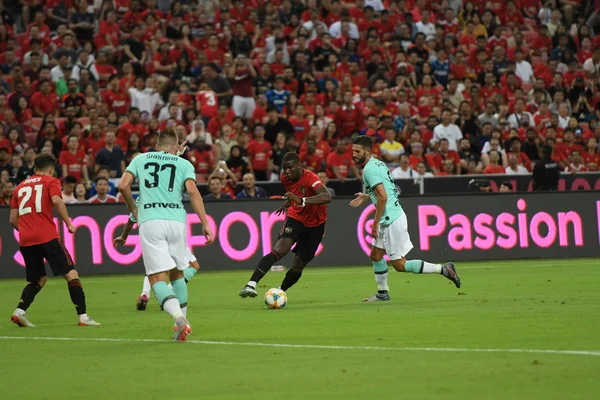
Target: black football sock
pixel 292 276
pixel 77 295
pixel 264 265
pixel 28 295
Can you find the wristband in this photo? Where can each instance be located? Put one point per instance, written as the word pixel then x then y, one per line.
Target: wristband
pixel 303 203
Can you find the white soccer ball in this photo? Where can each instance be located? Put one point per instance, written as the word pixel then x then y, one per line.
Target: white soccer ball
pixel 275 298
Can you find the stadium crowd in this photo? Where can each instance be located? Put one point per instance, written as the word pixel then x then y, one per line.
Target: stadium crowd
pixel 445 87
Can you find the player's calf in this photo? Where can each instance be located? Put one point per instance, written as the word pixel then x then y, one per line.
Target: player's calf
pixel 27 296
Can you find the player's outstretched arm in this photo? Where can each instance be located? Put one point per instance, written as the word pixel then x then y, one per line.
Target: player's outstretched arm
pixel 14 218
pixel 124 235
pixel 198 206
pixel 286 204
pixel 322 197
pixel 360 199
pixel 61 210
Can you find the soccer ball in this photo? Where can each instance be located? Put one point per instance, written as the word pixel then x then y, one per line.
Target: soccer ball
pixel 275 298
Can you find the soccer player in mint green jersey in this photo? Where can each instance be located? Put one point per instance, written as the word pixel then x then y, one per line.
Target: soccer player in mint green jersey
pixel 390 228
pixel 188 273
pixel 162 222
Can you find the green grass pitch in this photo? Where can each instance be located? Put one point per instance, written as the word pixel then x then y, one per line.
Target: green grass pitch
pixel 421 345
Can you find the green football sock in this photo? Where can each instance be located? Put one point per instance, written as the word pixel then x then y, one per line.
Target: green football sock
pixel 189 273
pixel 381 275
pixel 180 290
pixel 414 266
pixel 163 292
pixel 422 267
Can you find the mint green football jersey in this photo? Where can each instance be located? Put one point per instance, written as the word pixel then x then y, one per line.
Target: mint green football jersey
pixel 377 173
pixel 162 178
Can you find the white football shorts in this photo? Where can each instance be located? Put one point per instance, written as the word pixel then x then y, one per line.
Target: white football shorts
pixel 394 239
pixel 164 246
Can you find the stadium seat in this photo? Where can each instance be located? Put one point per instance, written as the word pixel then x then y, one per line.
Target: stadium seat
pixel 526 87
pixel 84 121
pixel 36 123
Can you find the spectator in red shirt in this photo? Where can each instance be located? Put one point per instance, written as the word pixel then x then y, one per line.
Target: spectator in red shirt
pixel 107 38
pixel 102 196
pixel 202 159
pixel 494 167
pixel 309 158
pixel 259 153
pixel 133 124
pixel 73 161
pixel 340 163
pixel 45 101
pixel 349 118
pixel 242 74
pixel 568 145
pixel 115 99
pixel 300 123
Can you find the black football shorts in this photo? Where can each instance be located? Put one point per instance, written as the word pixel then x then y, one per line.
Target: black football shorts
pixel 307 239
pixel 54 252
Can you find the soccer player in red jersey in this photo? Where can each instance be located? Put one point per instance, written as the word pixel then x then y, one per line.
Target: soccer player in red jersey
pixel 31 214
pixel 306 199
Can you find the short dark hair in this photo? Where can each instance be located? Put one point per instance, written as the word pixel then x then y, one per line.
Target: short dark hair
pixel 508 184
pixel 365 141
pixel 44 161
pixel 103 168
pixel 70 179
pixel 291 156
pixel 100 178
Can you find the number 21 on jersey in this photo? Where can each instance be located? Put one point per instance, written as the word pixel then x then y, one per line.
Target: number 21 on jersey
pixel 25 194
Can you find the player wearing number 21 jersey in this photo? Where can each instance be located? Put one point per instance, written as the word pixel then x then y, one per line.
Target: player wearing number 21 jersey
pixel 390 228
pixel 31 214
pixel 162 221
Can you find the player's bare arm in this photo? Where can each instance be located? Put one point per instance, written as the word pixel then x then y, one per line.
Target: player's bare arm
pixel 61 210
pixel 322 197
pixel 124 235
pixel 360 199
pixel 125 190
pixel 14 218
pixel 286 204
pixel 198 206
pixel 379 208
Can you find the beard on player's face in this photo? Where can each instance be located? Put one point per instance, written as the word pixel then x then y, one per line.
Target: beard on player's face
pixel 360 160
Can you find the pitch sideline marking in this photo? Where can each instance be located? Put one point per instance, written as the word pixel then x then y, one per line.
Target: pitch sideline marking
pixel 314 346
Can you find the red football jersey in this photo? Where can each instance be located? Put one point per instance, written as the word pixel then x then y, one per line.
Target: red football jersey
pixel 209 105
pixel 108 200
pixel 74 163
pixel 309 215
pixel 33 199
pixel 259 154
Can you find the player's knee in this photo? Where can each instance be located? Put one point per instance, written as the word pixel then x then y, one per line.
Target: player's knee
pixel 399 264
pixel 375 255
pixel 175 274
pixel 42 281
pixel 72 274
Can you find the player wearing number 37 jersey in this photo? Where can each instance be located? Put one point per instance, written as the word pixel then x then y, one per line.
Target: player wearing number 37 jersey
pixel 390 228
pixel 31 214
pixel 162 222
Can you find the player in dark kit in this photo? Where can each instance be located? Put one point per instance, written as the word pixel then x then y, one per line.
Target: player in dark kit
pixel 306 199
pixel 31 214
